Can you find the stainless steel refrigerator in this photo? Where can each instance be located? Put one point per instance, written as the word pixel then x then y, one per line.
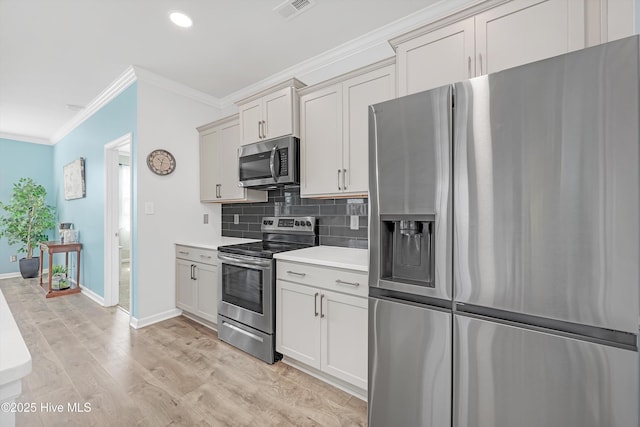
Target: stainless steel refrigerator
pixel 505 247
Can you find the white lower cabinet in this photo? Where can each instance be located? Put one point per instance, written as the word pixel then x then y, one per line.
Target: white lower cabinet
pixel 320 325
pixel 197 282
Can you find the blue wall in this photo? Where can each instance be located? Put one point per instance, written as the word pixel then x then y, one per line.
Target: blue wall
pixel 114 120
pixel 22 159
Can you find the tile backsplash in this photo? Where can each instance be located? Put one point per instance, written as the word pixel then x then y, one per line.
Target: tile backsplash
pixel 334 217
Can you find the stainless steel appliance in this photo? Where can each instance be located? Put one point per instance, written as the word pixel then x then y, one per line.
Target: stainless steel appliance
pixel 269 164
pixel 246 295
pixel 504 247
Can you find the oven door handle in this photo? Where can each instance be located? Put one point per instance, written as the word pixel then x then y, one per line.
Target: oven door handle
pixel 246 262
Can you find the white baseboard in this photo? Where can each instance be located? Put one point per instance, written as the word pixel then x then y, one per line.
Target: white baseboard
pixel 150 320
pixel 92 295
pixel 336 382
pixel 17 274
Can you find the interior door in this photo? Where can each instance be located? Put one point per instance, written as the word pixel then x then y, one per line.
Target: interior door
pixel 409 365
pixel 506 376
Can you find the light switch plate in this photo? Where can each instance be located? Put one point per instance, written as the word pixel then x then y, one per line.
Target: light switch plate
pixel 355 222
pixel 236 218
pixel 205 219
pixel 149 208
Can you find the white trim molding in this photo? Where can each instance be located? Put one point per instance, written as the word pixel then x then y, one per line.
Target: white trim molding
pixel 25 138
pixel 10 275
pixel 147 76
pixel 92 295
pixel 126 79
pixel 150 320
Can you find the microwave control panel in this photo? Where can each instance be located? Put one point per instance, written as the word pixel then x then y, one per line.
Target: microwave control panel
pixel 284 162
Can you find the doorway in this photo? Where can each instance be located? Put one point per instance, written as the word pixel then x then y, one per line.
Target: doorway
pixel 117 236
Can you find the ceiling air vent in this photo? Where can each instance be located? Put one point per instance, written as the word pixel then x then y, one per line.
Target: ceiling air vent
pixel 292 8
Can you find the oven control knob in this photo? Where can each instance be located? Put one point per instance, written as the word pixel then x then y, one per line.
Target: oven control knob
pixel 265 222
pixel 297 223
pixel 308 223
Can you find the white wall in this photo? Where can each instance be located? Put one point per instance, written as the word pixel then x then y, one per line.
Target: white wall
pixel 168 120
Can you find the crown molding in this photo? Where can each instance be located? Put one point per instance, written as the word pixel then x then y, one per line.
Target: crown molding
pixel 353 47
pixel 118 86
pixel 147 76
pixel 25 138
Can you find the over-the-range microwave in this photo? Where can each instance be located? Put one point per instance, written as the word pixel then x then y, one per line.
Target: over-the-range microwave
pixel 270 164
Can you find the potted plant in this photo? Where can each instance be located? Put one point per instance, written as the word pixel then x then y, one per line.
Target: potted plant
pixel 59 276
pixel 26 222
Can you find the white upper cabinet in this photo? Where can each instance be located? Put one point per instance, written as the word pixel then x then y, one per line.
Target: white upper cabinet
pixel 524 31
pixel 334 131
pixel 440 57
pixel 618 19
pixel 270 114
pixel 511 34
pixel 219 143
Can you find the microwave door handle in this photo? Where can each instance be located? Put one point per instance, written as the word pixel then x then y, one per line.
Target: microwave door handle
pixel 272 163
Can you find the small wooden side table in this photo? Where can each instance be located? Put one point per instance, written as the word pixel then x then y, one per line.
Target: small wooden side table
pixel 57 247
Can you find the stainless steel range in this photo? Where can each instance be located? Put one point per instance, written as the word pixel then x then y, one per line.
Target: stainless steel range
pixel 246 295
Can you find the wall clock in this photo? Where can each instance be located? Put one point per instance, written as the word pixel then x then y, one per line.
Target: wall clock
pixel 161 162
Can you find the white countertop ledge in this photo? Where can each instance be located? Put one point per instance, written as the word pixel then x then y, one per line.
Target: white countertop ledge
pixel 15 359
pixel 329 256
pixel 217 242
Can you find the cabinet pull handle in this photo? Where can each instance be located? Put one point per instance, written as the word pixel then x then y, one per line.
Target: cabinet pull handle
pixel 339 170
pixel 219 191
pixel 321 313
pixel 342 282
pixel 480 55
pixel 295 273
pixel 264 129
pixel 205 256
pixel 183 252
pixel 344 179
pixel 469 66
pixel 315 304
pixel 192 273
pixel 195 271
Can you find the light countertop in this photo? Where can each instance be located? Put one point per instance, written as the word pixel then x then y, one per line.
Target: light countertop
pixel 15 359
pixel 214 244
pixel 329 256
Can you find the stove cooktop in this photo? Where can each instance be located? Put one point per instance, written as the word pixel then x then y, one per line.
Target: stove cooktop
pixel 262 249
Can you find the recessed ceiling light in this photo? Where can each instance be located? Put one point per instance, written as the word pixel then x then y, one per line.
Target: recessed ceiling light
pixel 74 107
pixel 180 19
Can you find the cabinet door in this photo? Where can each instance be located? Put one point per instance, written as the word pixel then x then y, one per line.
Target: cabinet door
pixel 358 93
pixel 228 161
pixel 250 117
pixel 524 31
pixel 185 286
pixel 344 337
pixel 619 19
pixel 298 322
pixel 207 292
pixel 209 170
pixel 321 142
pixel 440 57
pixel 278 113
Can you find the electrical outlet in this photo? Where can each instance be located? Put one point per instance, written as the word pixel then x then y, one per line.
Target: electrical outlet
pixel 149 208
pixel 236 218
pixel 205 219
pixel 355 222
pixel 13 258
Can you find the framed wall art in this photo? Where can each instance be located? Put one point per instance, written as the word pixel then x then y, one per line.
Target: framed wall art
pixel 74 184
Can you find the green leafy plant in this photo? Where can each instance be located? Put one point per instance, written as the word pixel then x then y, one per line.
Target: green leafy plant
pixel 58 269
pixel 28 217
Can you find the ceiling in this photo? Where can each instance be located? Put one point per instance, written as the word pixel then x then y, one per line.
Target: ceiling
pixel 59 52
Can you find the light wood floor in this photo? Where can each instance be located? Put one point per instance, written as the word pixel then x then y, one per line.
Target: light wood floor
pixel 172 373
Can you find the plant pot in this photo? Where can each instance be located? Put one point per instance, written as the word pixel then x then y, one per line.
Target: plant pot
pixel 29 268
pixel 59 282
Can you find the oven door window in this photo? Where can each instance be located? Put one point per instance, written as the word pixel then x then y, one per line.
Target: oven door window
pixel 242 287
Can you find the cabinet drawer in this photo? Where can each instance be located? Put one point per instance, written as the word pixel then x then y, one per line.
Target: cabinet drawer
pixel 189 253
pixel 333 279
